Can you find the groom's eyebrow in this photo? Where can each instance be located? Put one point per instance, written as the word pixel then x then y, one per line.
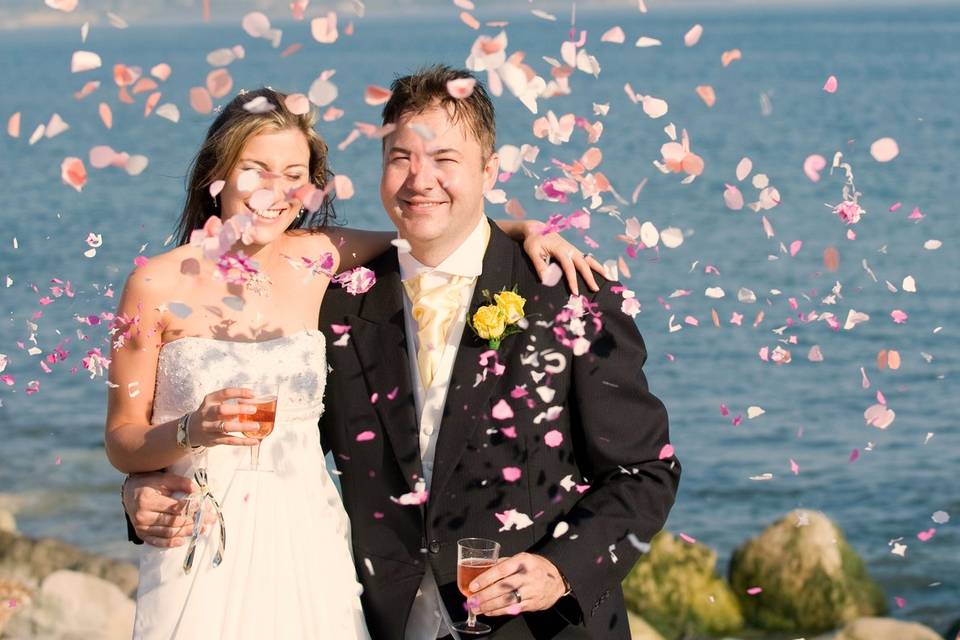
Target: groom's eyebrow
pixel 431 152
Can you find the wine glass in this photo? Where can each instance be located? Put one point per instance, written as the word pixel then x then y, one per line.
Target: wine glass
pixel 265 403
pixel 474 556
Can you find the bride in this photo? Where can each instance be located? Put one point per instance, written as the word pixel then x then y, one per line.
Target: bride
pixel 231 314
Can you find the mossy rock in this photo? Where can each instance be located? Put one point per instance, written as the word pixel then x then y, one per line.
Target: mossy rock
pixel 812 579
pixel 675 589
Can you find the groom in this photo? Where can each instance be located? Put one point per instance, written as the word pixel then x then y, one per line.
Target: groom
pixel 555 456
pixel 540 435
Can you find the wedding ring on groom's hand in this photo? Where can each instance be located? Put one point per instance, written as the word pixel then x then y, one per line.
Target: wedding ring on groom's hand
pixel 516 596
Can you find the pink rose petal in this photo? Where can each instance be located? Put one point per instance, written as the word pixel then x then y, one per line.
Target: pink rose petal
pixel 666 452
pixel 884 149
pixel 73 173
pixel 502 411
pixel 553 438
pixel 375 95
pixel 813 165
pixel 366 436
pixel 461 87
pixel 830 86
pixel 511 474
pixel 297 104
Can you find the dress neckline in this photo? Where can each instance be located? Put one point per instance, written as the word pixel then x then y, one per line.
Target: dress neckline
pixel 296 334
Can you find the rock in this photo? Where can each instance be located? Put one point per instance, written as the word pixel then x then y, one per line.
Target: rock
pixel 812 580
pixel 14 598
pixel 33 560
pixel 8 523
pixel 675 589
pixel 640 629
pixel 75 606
pixel 886 629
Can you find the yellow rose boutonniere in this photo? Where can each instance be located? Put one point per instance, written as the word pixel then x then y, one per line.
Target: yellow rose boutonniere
pixel 511 304
pixel 489 322
pixel 495 321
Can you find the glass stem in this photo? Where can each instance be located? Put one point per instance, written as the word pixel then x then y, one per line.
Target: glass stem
pixel 471 617
pixel 255 456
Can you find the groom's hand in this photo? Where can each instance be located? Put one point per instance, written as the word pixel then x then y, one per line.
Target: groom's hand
pixel 156 505
pixel 535 579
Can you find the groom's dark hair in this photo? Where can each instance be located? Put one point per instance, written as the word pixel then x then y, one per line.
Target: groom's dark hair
pixel 427 88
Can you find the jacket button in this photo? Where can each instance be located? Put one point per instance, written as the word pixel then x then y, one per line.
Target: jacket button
pixel 434 546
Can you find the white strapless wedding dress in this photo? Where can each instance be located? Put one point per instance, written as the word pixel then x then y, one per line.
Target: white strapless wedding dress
pixel 287 569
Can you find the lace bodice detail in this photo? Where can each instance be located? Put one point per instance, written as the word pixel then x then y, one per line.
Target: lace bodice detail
pixel 190 368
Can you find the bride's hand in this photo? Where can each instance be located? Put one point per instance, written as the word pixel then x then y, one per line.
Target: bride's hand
pixel 216 419
pixel 540 247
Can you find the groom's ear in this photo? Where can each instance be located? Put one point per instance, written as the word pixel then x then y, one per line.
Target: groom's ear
pixel 490 171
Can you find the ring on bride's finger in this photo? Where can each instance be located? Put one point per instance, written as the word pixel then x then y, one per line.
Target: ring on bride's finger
pixel 516 596
pixel 223 428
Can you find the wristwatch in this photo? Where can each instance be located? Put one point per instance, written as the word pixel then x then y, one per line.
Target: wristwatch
pixel 183 436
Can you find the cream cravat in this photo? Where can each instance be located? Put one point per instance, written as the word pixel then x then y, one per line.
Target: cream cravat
pixel 434 309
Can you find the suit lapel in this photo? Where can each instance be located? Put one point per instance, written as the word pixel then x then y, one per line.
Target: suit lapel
pixel 381 346
pixel 467 399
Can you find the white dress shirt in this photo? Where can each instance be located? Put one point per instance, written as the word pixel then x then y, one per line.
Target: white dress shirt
pixel 427 618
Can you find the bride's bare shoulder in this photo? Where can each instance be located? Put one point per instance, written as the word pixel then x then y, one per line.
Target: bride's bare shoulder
pixel 164 272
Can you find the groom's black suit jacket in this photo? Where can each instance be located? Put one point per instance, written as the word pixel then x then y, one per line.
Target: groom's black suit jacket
pixel 613 432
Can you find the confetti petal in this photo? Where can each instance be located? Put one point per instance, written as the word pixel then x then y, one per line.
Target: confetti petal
pixel 219 83
pixel 106 116
pixel 813 165
pixel 61 5
pixel 161 71
pixel 343 187
pixel 73 172
pixel 614 35
pixel 169 111
pixel 375 95
pixel 830 86
pixel 13 125
pixel 324 30
pixel 322 92
pixel 692 37
pixel 707 94
pixel 884 149
pixel 84 61
pixel 256 24
pixel 297 104
pixel 729 56
pixel 200 100
pixel 461 87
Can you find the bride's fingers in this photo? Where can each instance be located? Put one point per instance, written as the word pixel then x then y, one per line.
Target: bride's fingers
pixel 232 392
pixel 570 272
pixel 234 441
pixel 235 409
pixel 586 268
